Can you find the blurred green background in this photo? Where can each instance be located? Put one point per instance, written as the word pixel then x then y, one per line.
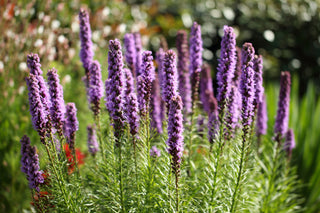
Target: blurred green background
pixel 285 32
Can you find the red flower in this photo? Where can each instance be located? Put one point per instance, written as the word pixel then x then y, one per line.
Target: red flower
pixel 79 158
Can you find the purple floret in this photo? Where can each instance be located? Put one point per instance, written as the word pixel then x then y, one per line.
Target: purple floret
pixel 57 109
pixel 130 55
pixel 155 106
pixel 33 62
pixel 213 122
pixel 259 90
pixel 30 164
pixel 155 152
pixel 290 143
pixel 71 124
pixel 282 119
pixel 205 87
pixel 93 145
pixel 95 86
pixel 138 46
pixel 175 133
pixel 262 117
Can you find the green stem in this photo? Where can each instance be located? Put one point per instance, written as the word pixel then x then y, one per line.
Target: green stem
pixel 97 121
pixel 120 177
pixel 177 191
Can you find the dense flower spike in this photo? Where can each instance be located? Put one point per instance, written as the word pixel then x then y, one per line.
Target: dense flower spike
pixel 262 117
pixel 93 145
pixel 115 86
pixel 183 72
pixel 170 78
pixel 247 84
pixel 290 143
pixel 155 152
pixel 57 109
pixel 233 113
pixel 237 73
pixel 159 59
pixel 282 119
pixel 226 67
pixel 37 110
pixel 144 82
pixel 95 86
pixel 175 132
pixel 155 105
pixel 138 46
pixel 30 163
pixel 259 90
pixel 130 55
pixel 213 122
pixel 205 86
pixel 33 62
pixel 131 104
pixel 71 124
pixel 86 51
pixel 195 58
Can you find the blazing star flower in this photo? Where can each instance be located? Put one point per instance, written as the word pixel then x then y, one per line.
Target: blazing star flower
pixel 226 67
pixel 33 63
pixel 258 66
pixel 155 106
pixel 262 117
pixel 138 46
pixel 205 86
pixel 30 164
pixel 247 85
pixel 237 73
pixel 175 133
pixel 144 82
pixel 289 144
pixel 184 75
pixel 155 152
pixel 281 124
pixel 130 55
pixel 213 122
pixel 93 145
pixel 71 124
pixel 95 86
pixel 233 113
pixel 57 108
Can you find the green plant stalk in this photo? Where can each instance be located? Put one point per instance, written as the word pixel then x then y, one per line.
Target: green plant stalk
pixel 177 190
pixel 120 176
pixel 234 196
pixel 97 121
pixel 147 129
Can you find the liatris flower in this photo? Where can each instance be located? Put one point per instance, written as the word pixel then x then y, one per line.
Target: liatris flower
pixel 57 108
pixel 195 58
pixel 86 51
pixel 71 124
pixel 115 86
pixel 226 67
pixel 155 106
pixel 30 163
pixel 213 122
pixel 95 86
pixel 131 104
pixel 93 145
pixel 144 82
pixel 257 67
pixel 159 59
pixel 262 117
pixel 33 62
pixel 233 113
pixel 175 132
pixel 237 73
pixel 289 144
pixel 170 80
pixel 205 86
pixel 138 46
pixel 37 110
pixel 130 54
pixel 281 124
pixel 247 85
pixel 184 75
pixel 155 152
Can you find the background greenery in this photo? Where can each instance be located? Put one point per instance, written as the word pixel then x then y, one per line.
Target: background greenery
pixel 286 33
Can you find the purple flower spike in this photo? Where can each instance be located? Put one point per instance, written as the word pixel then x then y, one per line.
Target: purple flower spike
pixel 86 51
pixel 71 124
pixel 247 85
pixel 37 110
pixel 205 87
pixel 234 112
pixel 155 106
pixel 30 164
pixel 144 82
pixel 290 143
pixel 57 109
pixel 237 73
pixel 281 124
pixel 262 117
pixel 115 86
pixel 154 152
pixel 226 67
pixel 175 133
pixel 130 55
pixel 259 90
pixel 138 46
pixel 159 59
pixel 195 58
pixel 213 123
pixel 184 75
pixel 131 104
pixel 95 86
pixel 93 145
pixel 33 62
pixel 170 78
